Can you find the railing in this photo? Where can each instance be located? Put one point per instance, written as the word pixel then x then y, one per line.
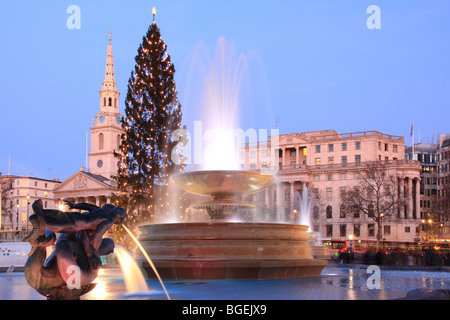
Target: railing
pixel 340 166
pixel 355 135
pixel 13 236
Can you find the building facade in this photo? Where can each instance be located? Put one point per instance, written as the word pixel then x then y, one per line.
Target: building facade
pixel 328 163
pixel 18 194
pixel 95 184
pixel 426 154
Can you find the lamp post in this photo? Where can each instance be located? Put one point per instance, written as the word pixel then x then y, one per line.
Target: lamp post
pixel 28 207
pixel 350 241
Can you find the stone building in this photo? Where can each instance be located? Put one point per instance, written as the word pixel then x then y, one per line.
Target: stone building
pixel 18 194
pixel 95 184
pixel 328 162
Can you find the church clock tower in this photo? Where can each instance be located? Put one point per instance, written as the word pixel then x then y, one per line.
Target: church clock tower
pixel 106 128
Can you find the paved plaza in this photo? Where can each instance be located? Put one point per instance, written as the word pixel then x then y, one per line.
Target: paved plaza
pixel 335 283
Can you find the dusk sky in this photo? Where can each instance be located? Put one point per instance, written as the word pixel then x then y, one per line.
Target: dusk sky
pixel 311 65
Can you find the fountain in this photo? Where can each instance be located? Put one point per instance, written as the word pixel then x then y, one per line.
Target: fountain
pixel 220 249
pixel 318 250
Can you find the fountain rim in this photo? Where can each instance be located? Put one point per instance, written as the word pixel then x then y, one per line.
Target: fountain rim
pixel 270 179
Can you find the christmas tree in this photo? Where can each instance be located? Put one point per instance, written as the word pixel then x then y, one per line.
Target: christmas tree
pixel 152 114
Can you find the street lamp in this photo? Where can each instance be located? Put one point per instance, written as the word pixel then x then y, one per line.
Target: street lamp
pixel 350 240
pixel 28 207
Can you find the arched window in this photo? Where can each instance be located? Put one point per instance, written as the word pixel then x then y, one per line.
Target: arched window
pixel 118 141
pixel 109 102
pixel 100 141
pixel 316 212
pixel 329 212
pixel 355 211
pixel 287 194
pixel 371 212
pixel 115 102
pixel 104 101
pixel 342 211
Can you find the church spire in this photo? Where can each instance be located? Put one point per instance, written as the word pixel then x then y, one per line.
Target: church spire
pixel 109 82
pixel 109 95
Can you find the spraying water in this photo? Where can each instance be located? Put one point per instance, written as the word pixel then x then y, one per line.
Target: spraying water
pixel 305 207
pixel 134 279
pixel 148 259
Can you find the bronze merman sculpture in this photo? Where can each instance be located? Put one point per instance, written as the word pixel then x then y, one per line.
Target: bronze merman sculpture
pixel 74 263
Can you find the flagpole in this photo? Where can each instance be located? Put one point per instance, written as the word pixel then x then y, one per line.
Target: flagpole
pixel 412 134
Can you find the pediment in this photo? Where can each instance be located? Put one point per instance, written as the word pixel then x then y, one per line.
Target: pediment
pixel 82 181
pixel 292 140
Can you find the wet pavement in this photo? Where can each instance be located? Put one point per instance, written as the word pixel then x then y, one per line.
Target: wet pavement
pixel 335 283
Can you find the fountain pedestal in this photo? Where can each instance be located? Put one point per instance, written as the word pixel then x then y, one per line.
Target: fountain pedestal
pixel 225 250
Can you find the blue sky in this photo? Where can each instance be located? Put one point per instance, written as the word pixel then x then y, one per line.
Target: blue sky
pixel 314 65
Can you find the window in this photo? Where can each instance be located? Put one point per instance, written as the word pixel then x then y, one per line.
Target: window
pixel 109 102
pixel 370 211
pixel 316 212
pixel 104 101
pixel 358 145
pixel 331 147
pixel 344 146
pixel 329 194
pixel 395 148
pixel 100 141
pixel 330 160
pixel 386 147
pixel 355 212
pixel 329 212
pixel 387 230
pixel 358 158
pixel 344 159
pixel 407 229
pixel 371 230
pixel 343 176
pixel 329 230
pixel 287 194
pixel 343 230
pixel 317 161
pixel 342 212
pixel 330 177
pixel 317 148
pixel 357 230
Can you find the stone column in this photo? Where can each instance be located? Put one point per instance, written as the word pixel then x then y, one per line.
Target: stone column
pixel 283 157
pixel 410 200
pixel 278 206
pixel 297 155
pixel 108 200
pixel 400 195
pixel 417 198
pixel 292 196
pixel 97 201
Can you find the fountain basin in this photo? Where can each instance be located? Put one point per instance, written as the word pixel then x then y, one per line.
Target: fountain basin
pixel 228 250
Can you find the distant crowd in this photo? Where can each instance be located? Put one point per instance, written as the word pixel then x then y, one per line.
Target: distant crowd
pixel 426 257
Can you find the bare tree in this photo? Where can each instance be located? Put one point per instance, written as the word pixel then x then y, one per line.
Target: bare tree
pixel 378 195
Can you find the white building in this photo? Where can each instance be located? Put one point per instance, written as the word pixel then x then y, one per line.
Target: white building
pixel 18 194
